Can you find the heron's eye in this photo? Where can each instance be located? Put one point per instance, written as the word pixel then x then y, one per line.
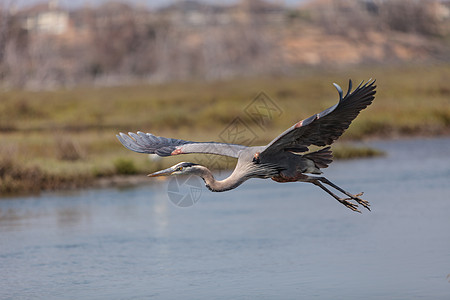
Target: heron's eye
pixel 180 169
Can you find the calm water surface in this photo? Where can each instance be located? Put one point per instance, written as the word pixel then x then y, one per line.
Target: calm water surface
pixel 262 241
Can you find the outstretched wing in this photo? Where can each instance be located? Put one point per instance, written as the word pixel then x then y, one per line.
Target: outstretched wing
pixel 324 128
pixel 149 143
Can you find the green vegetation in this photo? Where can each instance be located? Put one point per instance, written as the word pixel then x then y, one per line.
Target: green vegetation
pixel 65 138
pixel 125 166
pixel 344 151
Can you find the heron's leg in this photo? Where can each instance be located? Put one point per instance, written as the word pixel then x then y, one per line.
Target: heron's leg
pixel 364 203
pixel 315 180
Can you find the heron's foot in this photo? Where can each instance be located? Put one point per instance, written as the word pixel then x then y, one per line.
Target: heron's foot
pixel 364 203
pixel 348 204
pixel 346 201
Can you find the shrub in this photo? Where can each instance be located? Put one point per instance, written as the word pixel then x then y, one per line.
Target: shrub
pixel 350 152
pixel 16 178
pixel 67 149
pixel 125 166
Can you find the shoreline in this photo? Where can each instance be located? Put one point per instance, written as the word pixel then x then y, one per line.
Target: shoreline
pixel 133 180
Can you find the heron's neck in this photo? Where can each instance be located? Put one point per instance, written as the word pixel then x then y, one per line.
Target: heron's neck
pixel 214 185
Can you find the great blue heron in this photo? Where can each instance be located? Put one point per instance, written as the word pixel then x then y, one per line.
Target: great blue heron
pixel 285 159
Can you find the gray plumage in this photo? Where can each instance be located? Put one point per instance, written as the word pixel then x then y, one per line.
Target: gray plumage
pixel 284 159
pixel 149 143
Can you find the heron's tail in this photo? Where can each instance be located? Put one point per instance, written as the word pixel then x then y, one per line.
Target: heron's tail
pixel 321 158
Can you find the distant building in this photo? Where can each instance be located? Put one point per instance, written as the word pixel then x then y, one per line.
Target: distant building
pixel 47 18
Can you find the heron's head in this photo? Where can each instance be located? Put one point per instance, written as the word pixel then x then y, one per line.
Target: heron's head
pixel 182 168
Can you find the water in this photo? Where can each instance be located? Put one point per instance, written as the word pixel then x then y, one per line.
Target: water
pixel 263 240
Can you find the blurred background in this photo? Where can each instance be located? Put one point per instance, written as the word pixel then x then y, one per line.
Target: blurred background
pixel 75 73
pixel 53 43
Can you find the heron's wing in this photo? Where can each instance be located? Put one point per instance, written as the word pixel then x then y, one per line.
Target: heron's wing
pixel 324 128
pixel 149 143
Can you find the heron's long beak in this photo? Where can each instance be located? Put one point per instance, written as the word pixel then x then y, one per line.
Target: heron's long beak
pixel 165 172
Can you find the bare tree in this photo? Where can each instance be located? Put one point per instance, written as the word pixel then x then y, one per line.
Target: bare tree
pixel 348 18
pixel 122 41
pixel 419 16
pixel 9 30
pixel 246 45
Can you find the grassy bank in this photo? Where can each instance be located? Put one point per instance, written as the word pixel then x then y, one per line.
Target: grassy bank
pixel 65 138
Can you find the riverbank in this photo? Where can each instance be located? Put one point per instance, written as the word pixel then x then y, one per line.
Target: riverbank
pixel 16 178
pixel 66 138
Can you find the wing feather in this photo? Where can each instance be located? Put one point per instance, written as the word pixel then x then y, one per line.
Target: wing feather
pixel 325 127
pixel 148 143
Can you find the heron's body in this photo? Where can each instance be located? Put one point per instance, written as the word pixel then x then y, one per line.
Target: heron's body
pixel 285 159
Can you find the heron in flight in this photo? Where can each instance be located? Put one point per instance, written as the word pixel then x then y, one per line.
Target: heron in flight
pixel 284 159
